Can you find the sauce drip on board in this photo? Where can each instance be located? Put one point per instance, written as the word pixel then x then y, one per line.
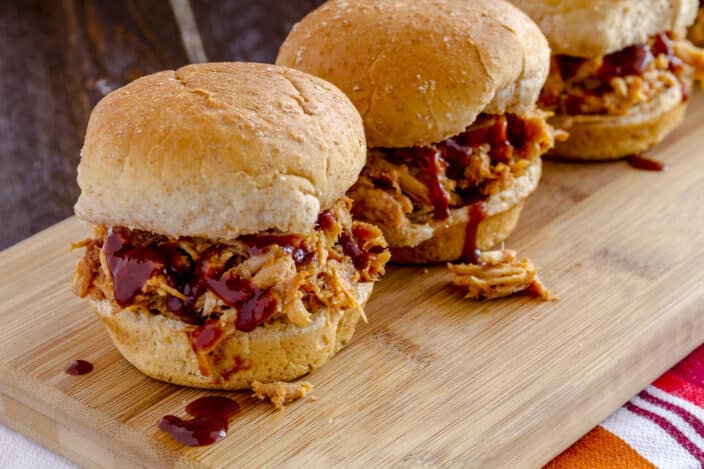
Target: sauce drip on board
pixel 211 416
pixel 646 164
pixel 471 251
pixel 79 367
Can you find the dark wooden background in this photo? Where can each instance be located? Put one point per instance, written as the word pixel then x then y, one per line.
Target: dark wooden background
pixel 59 57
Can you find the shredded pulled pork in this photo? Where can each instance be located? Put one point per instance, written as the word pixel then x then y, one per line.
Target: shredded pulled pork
pixel 696 32
pixel 223 285
pixel 613 84
pixel 281 393
pixel 402 187
pixel 498 274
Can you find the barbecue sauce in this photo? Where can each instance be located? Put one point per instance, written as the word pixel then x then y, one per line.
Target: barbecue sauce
pixel 471 251
pixel 326 222
pixel 132 267
pixel 496 135
pixel 646 164
pixel 431 164
pixel 663 45
pixel 254 305
pixel 79 367
pixel 632 60
pixel 206 337
pixel 291 244
pixel 211 416
pixel 504 134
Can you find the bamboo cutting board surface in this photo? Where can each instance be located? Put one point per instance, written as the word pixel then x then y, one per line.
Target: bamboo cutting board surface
pixel 432 380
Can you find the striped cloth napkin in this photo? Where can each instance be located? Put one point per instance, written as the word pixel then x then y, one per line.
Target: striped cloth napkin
pixel 662 427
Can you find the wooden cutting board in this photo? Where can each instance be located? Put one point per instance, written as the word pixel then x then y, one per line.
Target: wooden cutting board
pixel 432 380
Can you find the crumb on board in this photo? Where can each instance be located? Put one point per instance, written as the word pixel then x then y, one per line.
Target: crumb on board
pixel 281 393
pixel 498 274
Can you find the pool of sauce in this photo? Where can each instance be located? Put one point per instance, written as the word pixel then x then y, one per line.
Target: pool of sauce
pixel 646 164
pixel 79 367
pixel 211 417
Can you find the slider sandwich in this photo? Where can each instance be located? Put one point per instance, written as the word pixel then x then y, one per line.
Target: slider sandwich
pixel 621 74
pixel 224 251
pixel 447 91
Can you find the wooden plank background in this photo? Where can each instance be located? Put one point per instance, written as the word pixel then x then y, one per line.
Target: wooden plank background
pixel 59 57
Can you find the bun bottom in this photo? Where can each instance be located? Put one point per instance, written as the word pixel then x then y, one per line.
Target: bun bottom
pixel 447 243
pixel 158 346
pixel 612 137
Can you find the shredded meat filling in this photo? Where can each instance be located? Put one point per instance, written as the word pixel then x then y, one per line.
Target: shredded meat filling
pixel 221 285
pixel 499 274
pixel 615 83
pixel 406 186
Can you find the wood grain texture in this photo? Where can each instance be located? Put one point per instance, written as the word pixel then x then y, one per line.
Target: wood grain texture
pixel 254 29
pixel 431 380
pixel 58 59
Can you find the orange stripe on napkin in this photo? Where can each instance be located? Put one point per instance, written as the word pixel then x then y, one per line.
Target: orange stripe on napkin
pixel 678 386
pixel 599 449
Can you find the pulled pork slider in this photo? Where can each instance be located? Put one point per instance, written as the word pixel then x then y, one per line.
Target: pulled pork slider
pixel 447 92
pixel 621 72
pixel 223 250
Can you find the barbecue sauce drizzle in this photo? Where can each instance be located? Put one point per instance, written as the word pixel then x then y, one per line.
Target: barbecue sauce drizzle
pixel 211 416
pixel 506 134
pixel 471 251
pixel 132 267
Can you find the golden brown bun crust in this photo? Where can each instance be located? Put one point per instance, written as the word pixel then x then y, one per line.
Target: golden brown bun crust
pixel 159 347
pixel 422 71
pixel 218 150
pixel 448 243
pixel 612 137
pixel 589 28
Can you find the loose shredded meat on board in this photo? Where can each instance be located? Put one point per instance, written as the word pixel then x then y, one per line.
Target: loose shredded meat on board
pixel 615 83
pixel 498 275
pixel 281 393
pixel 410 186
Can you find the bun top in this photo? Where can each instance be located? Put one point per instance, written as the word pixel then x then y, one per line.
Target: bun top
pixel 420 71
pixel 590 28
pixel 219 150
